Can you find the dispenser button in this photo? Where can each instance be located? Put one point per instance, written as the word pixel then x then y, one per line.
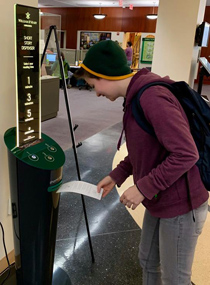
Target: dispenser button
pixel 49 158
pixel 33 157
pixel 52 148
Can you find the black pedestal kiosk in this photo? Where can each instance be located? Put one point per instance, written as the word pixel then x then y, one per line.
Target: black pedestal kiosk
pixel 35 175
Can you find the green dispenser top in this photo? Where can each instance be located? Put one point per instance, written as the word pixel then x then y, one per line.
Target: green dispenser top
pixel 46 154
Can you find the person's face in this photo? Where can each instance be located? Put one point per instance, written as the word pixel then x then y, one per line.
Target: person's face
pixel 107 88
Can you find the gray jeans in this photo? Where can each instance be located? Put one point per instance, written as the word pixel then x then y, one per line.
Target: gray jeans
pixel 167 247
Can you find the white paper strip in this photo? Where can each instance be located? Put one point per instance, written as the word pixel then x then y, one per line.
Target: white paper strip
pixel 81 187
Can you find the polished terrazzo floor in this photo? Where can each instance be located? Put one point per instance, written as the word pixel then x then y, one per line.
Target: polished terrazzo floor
pixel 114 234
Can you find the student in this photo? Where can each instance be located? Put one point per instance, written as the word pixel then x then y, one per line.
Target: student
pixel 129 53
pixel 160 166
pixel 56 70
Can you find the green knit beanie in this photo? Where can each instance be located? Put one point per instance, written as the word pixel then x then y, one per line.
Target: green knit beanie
pixel 107 60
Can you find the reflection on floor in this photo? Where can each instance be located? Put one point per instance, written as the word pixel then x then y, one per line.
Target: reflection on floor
pixel 115 235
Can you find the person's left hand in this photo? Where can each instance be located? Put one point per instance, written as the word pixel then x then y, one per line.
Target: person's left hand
pixel 132 197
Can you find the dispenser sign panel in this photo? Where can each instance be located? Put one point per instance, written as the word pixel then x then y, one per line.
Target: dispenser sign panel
pixel 28 75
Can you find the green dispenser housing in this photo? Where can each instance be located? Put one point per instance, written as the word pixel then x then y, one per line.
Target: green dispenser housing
pixel 35 175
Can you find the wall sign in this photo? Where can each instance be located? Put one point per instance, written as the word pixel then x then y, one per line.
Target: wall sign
pixel 147 50
pixel 28 75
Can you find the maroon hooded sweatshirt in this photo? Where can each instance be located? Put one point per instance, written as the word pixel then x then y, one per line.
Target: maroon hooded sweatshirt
pixel 159 165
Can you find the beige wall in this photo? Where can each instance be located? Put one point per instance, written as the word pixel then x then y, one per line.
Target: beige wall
pixel 7 105
pixel 174 53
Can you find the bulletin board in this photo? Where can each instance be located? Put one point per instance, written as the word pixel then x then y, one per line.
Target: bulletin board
pixel 88 39
pixel 147 50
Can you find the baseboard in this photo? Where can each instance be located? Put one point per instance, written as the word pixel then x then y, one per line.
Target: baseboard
pixel 11 279
pixel 3 261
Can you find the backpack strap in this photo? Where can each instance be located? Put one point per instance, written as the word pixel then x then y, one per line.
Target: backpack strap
pixel 139 116
pixel 137 110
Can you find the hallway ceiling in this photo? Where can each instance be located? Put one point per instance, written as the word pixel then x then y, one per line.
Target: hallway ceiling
pixel 98 3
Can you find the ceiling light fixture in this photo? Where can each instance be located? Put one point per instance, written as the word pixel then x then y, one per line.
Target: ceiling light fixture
pixel 99 16
pixel 152 16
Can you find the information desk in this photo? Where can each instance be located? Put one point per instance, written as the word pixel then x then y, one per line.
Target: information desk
pixel 49 97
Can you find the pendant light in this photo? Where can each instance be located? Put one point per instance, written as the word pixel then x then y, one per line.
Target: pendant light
pixel 152 16
pixel 99 16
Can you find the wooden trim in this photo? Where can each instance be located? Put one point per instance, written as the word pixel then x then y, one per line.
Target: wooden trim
pixel 3 261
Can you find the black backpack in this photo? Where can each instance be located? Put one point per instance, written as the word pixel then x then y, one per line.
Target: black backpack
pixel 198 114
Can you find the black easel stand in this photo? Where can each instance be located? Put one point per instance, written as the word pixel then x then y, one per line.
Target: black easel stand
pixel 202 73
pixel 70 125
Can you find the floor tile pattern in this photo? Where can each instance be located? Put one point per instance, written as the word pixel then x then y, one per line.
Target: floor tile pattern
pixel 114 234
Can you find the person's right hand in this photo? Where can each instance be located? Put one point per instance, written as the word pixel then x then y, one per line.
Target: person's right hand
pixel 107 184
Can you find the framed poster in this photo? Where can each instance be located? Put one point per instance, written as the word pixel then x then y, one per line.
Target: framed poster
pixel 147 50
pixel 88 39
